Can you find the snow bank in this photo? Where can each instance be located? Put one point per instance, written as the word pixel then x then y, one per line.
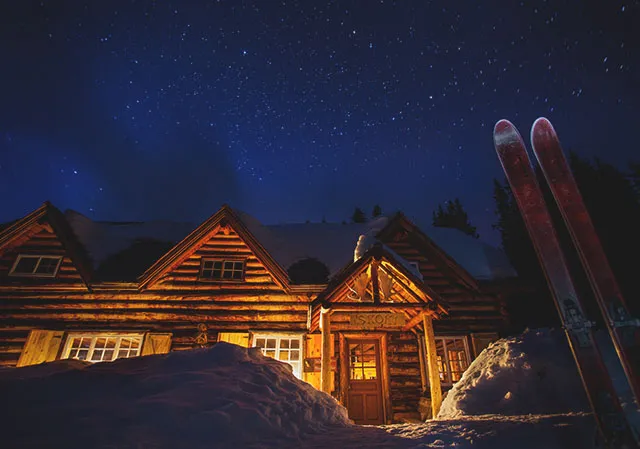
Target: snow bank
pixel 530 374
pixel 226 396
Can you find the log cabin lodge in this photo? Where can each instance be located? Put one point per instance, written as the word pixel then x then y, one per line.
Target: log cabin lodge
pixel 382 315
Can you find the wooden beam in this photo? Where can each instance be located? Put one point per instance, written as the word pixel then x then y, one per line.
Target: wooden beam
pixel 374 282
pixel 404 284
pixel 370 307
pixel 325 364
pixel 432 364
pixel 418 318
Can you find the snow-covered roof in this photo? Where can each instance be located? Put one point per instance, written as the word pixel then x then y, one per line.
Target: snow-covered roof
pixel 332 244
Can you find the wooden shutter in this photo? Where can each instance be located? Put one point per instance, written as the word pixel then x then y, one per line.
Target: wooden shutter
pixel 482 340
pixel 237 338
pixel 311 367
pixel 41 346
pixel 156 344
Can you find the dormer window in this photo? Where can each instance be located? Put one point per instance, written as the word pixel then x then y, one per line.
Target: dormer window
pixel 222 270
pixel 36 266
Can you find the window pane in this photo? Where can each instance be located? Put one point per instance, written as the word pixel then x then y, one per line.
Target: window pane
pixel 207 264
pixel 226 274
pixel 284 344
pixel 217 265
pixel 271 343
pixel 26 265
pixel 294 355
pixel 295 344
pixel 47 265
pixel 216 274
pixel 363 361
pixel 99 348
pixel 458 361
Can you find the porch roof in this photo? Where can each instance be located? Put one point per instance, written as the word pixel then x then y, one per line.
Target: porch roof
pixel 418 298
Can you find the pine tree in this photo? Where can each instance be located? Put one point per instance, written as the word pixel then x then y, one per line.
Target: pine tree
pixel 454 217
pixel 612 202
pixel 358 216
pixel 534 307
pixel 377 211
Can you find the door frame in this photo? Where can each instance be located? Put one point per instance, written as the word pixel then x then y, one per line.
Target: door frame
pixel 381 337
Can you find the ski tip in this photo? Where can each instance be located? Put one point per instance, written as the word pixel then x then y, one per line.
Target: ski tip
pixel 542 127
pixel 505 133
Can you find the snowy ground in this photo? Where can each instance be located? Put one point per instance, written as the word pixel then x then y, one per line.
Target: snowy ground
pixel 563 431
pixel 522 392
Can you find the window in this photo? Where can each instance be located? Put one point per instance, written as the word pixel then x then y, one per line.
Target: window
pixel 102 347
pixel 362 361
pixel 36 266
pixel 453 358
pixel 222 270
pixel 286 348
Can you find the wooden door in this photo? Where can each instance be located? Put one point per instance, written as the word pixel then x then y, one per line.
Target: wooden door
pixel 364 395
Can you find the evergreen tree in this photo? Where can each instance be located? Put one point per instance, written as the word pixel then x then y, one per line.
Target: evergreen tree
pixel 615 211
pixel 612 202
pixel 358 216
pixel 377 211
pixel 534 306
pixel 454 217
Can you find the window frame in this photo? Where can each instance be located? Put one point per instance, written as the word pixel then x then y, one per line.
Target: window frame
pixel 35 274
pixel 445 379
pixel 67 348
pixel 222 270
pixel 297 371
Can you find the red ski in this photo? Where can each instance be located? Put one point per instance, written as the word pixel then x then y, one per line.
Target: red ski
pixel 624 330
pixel 595 378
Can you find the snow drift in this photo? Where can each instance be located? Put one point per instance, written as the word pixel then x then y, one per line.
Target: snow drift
pixel 533 373
pixel 225 396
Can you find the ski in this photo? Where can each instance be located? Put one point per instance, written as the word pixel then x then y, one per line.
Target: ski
pixel 624 330
pixel 604 402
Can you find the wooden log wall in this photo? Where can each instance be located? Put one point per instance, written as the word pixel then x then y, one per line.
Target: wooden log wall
pixel 404 372
pixel 222 244
pixel 42 243
pixel 133 311
pixel 470 311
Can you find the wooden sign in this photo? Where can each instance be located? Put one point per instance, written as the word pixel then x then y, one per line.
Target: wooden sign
pixel 376 320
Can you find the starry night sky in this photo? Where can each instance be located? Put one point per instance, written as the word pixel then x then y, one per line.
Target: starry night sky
pixel 299 110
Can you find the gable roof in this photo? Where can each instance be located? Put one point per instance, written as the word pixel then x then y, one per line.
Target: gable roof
pixel 122 251
pixel 385 260
pixel 224 217
pixel 24 228
pixel 143 244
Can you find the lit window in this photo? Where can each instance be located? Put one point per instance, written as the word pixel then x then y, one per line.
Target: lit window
pixel 36 266
pixel 102 347
pixel 363 361
pixel 286 348
pixel 222 270
pixel 453 358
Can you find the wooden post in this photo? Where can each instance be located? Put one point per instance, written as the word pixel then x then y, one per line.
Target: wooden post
pixel 325 365
pixel 432 364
